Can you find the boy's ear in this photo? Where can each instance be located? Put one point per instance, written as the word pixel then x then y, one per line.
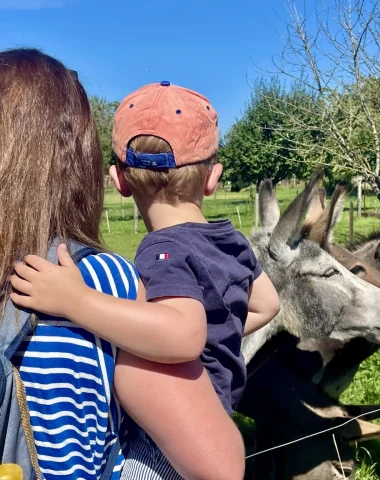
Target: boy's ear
pixel 120 181
pixel 213 179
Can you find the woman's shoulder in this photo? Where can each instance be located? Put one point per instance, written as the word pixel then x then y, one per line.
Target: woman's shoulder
pixel 110 273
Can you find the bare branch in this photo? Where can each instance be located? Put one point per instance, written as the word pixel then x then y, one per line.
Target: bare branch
pixel 337 56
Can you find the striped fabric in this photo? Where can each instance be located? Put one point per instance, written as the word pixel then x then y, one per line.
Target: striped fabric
pixel 68 376
pixel 145 461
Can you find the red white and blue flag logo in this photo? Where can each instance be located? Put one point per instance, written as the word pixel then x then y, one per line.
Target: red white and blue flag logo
pixel 162 256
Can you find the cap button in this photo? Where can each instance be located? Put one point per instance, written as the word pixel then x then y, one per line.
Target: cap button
pixel 165 83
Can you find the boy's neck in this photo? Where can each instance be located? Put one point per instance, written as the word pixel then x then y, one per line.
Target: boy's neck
pixel 162 215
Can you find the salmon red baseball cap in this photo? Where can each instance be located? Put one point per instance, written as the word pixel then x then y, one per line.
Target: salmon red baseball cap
pixel 185 119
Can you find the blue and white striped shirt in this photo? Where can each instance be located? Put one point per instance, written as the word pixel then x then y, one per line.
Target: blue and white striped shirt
pixel 68 377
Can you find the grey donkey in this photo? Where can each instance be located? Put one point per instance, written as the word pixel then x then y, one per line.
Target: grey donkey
pixel 319 227
pixel 319 296
pixel 324 306
pixel 364 261
pixel 370 251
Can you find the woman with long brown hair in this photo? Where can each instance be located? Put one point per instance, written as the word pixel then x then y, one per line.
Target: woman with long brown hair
pixel 51 187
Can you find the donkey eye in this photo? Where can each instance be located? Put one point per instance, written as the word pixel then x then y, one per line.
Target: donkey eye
pixel 359 271
pixel 330 272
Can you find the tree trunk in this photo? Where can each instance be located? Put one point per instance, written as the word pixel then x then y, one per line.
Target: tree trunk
pixel 375 185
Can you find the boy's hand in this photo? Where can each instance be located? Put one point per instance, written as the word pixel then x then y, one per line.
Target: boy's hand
pixel 48 288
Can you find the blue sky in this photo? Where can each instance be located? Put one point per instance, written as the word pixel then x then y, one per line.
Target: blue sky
pixel 117 46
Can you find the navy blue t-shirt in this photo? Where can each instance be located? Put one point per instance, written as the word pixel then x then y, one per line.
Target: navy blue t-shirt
pixel 212 263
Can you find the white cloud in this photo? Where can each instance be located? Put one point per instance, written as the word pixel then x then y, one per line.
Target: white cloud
pixel 30 4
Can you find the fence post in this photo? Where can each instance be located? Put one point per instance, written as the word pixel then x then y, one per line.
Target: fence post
pixel 351 225
pixel 256 211
pixel 364 197
pixel 360 185
pixel 108 221
pixel 237 209
pixel 136 217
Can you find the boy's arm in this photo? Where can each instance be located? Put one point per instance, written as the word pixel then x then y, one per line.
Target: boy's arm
pixel 263 304
pixel 168 330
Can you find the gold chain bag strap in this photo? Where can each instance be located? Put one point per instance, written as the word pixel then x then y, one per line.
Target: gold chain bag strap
pixel 25 421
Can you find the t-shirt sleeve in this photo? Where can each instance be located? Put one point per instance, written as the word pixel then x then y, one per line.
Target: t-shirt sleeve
pixel 256 267
pixel 111 274
pixel 167 270
pixel 249 260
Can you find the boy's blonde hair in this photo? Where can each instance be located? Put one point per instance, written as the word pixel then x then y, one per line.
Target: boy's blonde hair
pixel 172 185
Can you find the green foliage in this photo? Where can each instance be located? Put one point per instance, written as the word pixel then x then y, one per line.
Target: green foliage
pixel 266 142
pixel 246 426
pixel 104 112
pixel 286 132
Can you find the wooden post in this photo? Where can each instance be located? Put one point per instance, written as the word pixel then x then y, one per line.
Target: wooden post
pixel 256 211
pixel 241 226
pixel 351 225
pixel 136 218
pixel 364 197
pixel 108 221
pixel 360 186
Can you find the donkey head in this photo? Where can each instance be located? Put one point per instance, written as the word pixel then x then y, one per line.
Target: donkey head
pixel 319 227
pixel 319 296
pixel 370 253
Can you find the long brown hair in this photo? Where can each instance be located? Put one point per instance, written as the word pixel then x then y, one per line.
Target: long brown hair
pixel 51 172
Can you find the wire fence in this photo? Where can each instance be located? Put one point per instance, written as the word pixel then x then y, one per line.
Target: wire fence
pixel 242 209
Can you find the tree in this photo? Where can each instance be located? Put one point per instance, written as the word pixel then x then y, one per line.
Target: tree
pixel 104 112
pixel 334 53
pixel 261 144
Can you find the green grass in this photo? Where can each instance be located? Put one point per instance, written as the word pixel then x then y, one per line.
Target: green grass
pixel 365 388
pixel 367 469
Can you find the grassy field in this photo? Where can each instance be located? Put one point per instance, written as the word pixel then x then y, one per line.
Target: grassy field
pixel 366 387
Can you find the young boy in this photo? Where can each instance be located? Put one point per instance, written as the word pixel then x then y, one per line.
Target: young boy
pixel 203 285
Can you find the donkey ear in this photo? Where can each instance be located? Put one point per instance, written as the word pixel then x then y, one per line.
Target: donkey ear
pixel 318 204
pixel 268 206
pixel 322 197
pixel 288 229
pixel 335 209
pixel 377 253
pixel 321 231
